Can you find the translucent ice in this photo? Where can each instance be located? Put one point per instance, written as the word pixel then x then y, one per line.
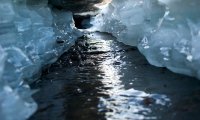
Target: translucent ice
pixel 29 35
pixel 167 32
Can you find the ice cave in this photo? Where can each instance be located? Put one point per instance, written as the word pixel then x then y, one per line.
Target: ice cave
pixel 99 59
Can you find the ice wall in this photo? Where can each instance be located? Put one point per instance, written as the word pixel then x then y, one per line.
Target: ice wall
pixel 31 36
pixel 167 32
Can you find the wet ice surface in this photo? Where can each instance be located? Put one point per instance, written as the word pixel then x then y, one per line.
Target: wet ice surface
pixel 114 82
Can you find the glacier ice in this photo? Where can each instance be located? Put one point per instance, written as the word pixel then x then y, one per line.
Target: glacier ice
pixel 29 39
pixel 167 32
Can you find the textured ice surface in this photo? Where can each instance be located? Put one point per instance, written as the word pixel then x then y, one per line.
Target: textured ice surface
pixel 31 36
pixel 167 32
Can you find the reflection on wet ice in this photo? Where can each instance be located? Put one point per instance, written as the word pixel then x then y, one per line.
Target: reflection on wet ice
pixel 123 104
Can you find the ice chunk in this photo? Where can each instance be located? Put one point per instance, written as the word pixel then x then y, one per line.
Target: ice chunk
pixel 129 20
pixel 165 31
pixel 13 104
pixel 29 30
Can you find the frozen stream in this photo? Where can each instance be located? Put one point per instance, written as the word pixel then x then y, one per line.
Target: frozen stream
pixel 111 81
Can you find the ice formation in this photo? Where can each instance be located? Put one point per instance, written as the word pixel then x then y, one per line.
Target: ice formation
pixel 31 36
pixel 167 32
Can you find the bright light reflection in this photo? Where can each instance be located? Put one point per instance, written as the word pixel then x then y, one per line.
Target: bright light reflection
pixel 103 4
pixel 122 104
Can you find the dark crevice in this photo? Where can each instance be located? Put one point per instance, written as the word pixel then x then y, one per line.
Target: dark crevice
pixel 82 22
pixel 76 6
